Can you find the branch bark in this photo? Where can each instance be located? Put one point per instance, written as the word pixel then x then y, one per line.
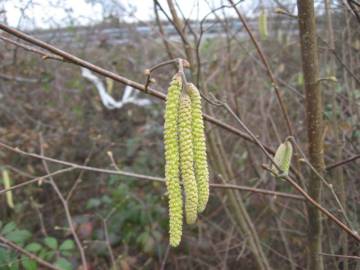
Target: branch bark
pixel 314 111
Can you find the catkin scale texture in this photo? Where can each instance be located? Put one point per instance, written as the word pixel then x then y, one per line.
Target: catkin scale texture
pixel 172 173
pixel 187 159
pixel 199 148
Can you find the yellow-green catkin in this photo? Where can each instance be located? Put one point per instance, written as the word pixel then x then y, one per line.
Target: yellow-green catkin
pixel 283 157
pixel 7 185
pixel 263 28
pixel 172 172
pixel 187 159
pixel 199 148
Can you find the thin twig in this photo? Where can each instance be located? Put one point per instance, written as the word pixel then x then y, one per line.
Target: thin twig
pixel 352 233
pixel 37 179
pixel 342 162
pixel 78 61
pixel 65 204
pixel 32 49
pixel 267 67
pixel 108 245
pixel 135 175
pixel 340 256
pixel 27 253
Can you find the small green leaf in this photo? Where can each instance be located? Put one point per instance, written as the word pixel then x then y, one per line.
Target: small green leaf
pixel 67 245
pixel 51 242
pixel 63 264
pixel 49 255
pixel 18 236
pixel 8 228
pixel 33 247
pixel 28 264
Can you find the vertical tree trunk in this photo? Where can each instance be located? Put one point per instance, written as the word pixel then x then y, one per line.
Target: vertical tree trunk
pixel 310 62
pixel 338 179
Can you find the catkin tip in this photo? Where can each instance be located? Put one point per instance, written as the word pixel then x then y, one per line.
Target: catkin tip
pixel 199 148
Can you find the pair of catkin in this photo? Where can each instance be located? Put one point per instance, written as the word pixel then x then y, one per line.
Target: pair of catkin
pixel 185 156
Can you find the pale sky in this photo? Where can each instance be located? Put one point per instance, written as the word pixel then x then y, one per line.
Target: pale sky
pixel 28 14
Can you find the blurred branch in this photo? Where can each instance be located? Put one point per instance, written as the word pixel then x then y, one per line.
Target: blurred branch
pixel 26 253
pixel 78 61
pixel 65 204
pixel 311 201
pixel 340 256
pixel 343 162
pixel 18 79
pixel 267 66
pixel 139 176
pixel 32 49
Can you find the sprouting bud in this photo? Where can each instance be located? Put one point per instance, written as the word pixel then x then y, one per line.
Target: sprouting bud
pixel 172 173
pixel 282 158
pixel 187 159
pixel 199 148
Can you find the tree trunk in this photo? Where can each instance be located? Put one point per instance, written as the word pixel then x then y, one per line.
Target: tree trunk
pixel 314 115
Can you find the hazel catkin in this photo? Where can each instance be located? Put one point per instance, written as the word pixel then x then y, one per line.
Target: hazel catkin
pixel 172 173
pixel 199 148
pixel 263 28
pixel 187 159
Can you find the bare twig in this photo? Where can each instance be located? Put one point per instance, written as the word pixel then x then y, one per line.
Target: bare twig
pixel 65 204
pixel 37 179
pixel 108 244
pixel 340 256
pixel 78 61
pixel 313 202
pixel 135 175
pixel 352 233
pixel 343 162
pixel 32 49
pixel 27 253
pixel 267 67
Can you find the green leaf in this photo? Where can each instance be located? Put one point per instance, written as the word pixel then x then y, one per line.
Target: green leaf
pixel 8 228
pixel 93 203
pixel 18 236
pixel 51 242
pixel 63 264
pixel 49 255
pixel 67 245
pixel 33 247
pixel 28 264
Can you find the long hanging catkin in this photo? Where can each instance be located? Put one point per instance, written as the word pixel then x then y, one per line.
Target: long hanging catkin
pixel 187 159
pixel 199 148
pixel 172 160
